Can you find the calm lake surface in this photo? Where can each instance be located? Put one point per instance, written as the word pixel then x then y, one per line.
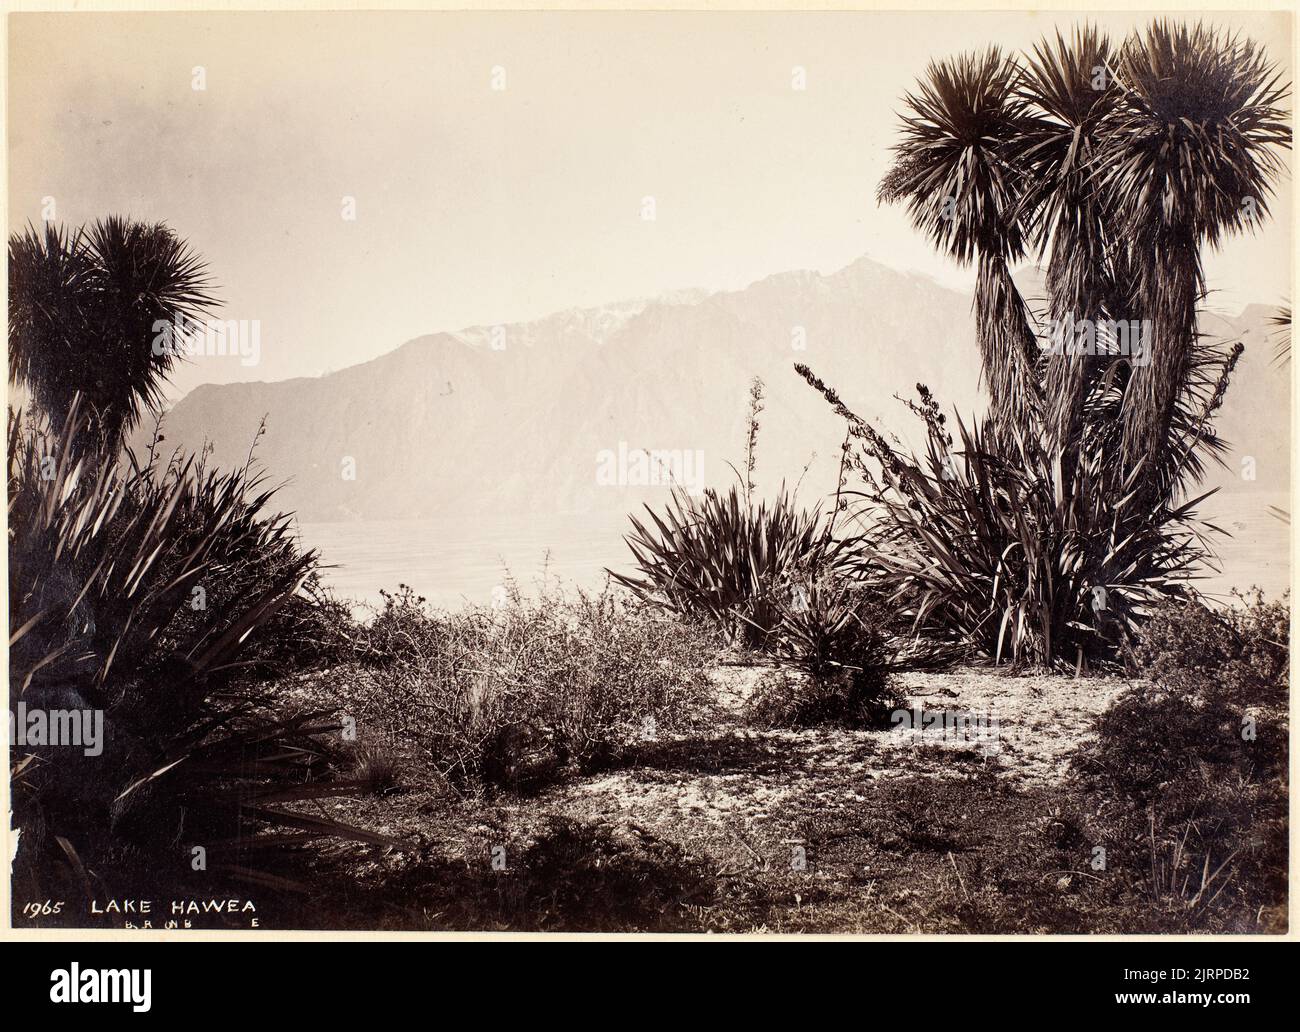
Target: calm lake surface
pixel 454 562
pixel 457 562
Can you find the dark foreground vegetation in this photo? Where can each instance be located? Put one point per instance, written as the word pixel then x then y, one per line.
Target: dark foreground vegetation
pixel 1158 809
pixel 712 743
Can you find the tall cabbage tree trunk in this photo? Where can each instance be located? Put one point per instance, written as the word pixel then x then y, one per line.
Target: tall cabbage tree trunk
pixel 1170 286
pixel 1008 346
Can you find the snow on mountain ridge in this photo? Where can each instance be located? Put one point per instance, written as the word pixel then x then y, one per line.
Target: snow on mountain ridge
pixel 431 428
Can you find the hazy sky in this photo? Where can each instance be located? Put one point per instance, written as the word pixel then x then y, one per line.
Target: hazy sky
pixel 477 205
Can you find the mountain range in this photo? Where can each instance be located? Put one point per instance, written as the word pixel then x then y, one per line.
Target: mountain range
pixel 524 417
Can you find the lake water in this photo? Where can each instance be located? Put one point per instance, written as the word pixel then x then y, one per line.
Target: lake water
pixel 453 562
pixel 1258 552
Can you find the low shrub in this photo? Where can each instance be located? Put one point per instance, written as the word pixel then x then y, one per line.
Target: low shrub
pixel 512 696
pixel 397 628
pixel 1151 737
pixel 1244 648
pixel 1187 786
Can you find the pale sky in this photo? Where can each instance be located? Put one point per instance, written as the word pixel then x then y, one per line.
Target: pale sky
pixel 478 206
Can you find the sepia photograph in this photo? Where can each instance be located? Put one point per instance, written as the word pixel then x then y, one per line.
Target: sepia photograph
pixel 782 473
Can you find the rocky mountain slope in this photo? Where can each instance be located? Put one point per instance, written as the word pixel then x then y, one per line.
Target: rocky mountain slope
pixel 526 416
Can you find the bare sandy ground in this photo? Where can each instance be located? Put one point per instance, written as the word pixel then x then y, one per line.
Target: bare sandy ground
pixel 1031 724
pixel 823 829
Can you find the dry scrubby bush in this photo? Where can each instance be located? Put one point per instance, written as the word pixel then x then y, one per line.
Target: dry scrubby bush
pixel 1244 648
pixel 1187 774
pixel 512 695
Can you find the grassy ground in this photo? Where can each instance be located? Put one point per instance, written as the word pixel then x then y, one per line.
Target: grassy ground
pixel 741 828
